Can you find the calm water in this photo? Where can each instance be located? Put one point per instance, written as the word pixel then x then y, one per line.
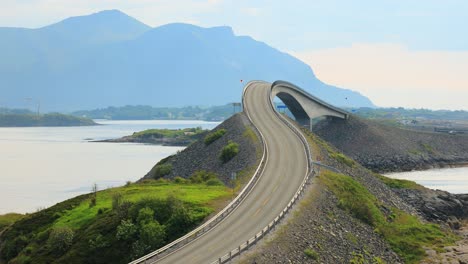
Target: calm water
pixel 454 180
pixel 42 166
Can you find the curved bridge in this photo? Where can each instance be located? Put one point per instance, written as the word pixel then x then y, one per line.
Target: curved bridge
pixel 303 105
pixel 277 184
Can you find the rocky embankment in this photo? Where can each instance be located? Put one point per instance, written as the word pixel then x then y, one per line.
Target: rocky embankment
pixel 200 156
pixel 322 230
pixel 383 148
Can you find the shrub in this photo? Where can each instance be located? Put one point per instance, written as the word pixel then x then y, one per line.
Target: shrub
pixel 229 151
pixel 213 136
pixel 312 254
pixel 145 216
pixel 117 199
pixel 14 246
pixel 60 238
pixel 162 170
pixel 98 242
pixel 214 182
pixel 180 180
pixel 152 234
pixel 202 176
pixel 126 230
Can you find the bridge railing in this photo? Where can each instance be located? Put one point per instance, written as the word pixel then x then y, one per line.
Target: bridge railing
pixel 261 234
pixel 210 224
pixel 307 94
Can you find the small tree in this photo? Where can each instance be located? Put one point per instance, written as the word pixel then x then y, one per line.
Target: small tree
pixel 145 216
pixel 152 234
pixel 126 230
pixel 60 239
pixel 94 191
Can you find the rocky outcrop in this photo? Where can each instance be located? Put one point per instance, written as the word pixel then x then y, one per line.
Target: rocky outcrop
pixel 384 148
pixel 199 156
pixel 436 205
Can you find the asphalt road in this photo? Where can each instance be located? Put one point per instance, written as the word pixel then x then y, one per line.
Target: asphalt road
pixel 284 171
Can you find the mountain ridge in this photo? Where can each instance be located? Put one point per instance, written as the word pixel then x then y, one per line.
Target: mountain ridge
pixel 134 64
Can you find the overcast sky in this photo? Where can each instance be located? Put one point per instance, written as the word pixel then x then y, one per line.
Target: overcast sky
pixel 411 53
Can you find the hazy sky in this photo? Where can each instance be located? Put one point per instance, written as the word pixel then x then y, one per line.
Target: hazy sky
pixel 411 53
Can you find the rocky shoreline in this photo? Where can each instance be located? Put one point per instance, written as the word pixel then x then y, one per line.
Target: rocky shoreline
pixel 382 148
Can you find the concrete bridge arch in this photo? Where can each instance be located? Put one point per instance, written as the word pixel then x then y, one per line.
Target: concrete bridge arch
pixel 302 104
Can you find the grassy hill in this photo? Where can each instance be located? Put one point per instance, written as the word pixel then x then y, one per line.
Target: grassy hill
pixel 111 226
pixel 32 120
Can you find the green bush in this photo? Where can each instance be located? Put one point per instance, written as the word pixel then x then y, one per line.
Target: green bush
pixel 214 182
pixel 60 239
pixel 98 242
pixel 312 254
pixel 229 151
pixel 162 170
pixel 202 176
pixel 126 230
pixel 213 136
pixel 145 216
pixel 180 180
pixel 152 234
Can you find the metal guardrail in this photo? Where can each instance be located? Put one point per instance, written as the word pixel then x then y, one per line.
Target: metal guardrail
pixel 310 172
pixel 207 226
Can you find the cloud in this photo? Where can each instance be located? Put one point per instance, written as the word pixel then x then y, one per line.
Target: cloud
pixel 392 75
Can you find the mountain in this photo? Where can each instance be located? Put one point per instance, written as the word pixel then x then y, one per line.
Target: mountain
pixel 109 58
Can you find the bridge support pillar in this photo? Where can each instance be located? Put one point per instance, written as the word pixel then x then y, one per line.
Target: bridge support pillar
pixel 310 124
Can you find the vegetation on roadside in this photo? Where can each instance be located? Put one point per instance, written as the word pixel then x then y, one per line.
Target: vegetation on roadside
pixel 405 233
pixel 33 120
pixel 213 136
pixel 125 223
pixel 397 183
pixel 229 151
pixel 343 159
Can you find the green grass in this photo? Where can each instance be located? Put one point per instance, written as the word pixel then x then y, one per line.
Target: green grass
pixel 343 159
pixel 397 183
pixel 312 254
pixel 213 136
pixel 177 207
pixel 168 133
pixel 405 233
pixel 199 194
pixel 8 219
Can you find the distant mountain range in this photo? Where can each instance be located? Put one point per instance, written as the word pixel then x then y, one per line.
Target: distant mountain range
pixel 109 58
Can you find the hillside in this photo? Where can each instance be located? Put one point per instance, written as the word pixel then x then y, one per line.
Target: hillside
pixel 385 148
pixel 120 224
pixel 353 217
pixel 33 120
pixel 109 58
pixel 357 216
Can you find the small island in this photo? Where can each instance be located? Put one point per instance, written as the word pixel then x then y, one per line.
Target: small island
pixel 165 137
pixel 44 120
